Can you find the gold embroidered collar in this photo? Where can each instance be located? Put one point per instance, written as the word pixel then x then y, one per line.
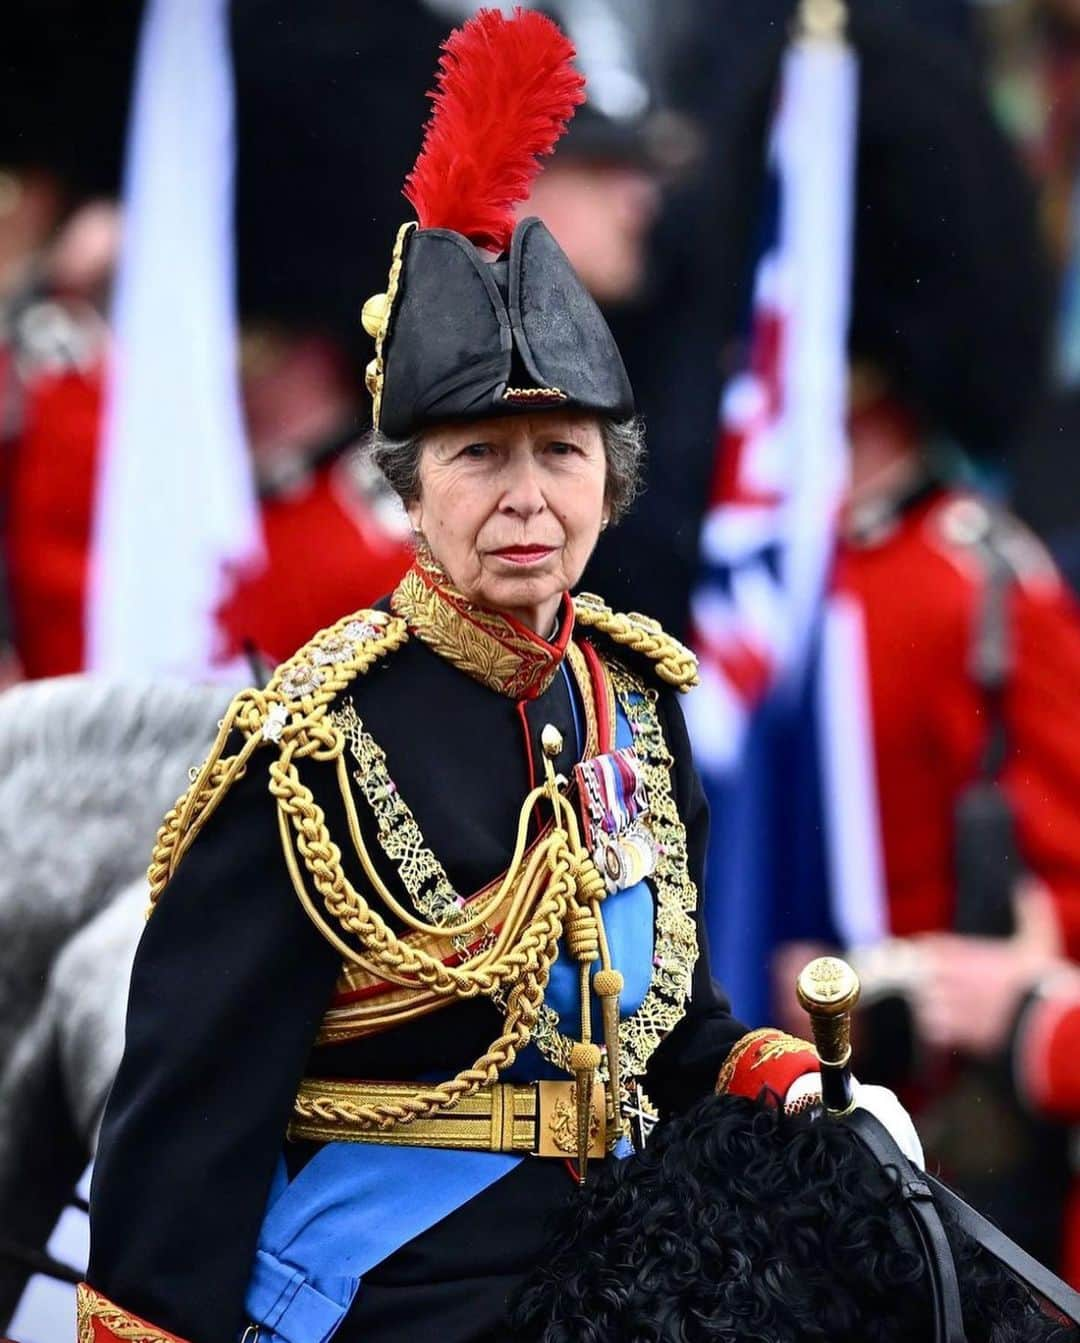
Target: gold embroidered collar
pixel 492 648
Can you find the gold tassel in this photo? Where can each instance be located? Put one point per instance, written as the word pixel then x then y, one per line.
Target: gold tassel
pixel 583 941
pixel 584 1060
pixel 607 985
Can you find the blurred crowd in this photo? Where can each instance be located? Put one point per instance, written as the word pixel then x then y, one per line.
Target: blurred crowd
pixel 960 536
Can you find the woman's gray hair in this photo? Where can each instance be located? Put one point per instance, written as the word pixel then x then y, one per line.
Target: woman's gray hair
pixel 624 447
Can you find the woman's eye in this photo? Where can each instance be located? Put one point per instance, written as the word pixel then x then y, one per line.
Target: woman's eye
pixel 561 449
pixel 476 451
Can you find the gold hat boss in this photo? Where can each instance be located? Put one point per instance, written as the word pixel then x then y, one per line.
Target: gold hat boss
pixel 375 319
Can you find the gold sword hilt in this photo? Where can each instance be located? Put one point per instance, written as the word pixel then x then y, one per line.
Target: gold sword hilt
pixel 828 989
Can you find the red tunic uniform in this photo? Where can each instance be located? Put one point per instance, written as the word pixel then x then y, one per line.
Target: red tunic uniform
pixel 1047 1073
pixel 330 544
pixel 1048 1053
pixel 920 585
pixel 329 548
pixel 48 498
pixel 921 580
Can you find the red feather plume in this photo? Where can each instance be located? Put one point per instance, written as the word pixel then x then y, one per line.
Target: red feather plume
pixel 505 91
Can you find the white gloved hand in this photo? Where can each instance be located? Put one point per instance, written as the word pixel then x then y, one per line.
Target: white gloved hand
pixel 885 1106
pixel 882 1103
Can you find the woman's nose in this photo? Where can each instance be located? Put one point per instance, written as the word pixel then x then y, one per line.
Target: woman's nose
pixel 523 495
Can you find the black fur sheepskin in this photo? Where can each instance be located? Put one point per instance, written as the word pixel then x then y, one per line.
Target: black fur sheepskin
pixel 739 1224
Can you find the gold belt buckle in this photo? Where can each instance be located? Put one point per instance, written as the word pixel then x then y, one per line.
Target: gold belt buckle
pixel 557 1120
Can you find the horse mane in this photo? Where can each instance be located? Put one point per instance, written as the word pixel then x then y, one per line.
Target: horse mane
pixel 738 1223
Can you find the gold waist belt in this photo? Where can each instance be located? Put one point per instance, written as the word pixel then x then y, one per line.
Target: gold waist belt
pixel 532 1118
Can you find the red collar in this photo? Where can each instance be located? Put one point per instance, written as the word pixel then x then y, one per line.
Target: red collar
pixel 495 649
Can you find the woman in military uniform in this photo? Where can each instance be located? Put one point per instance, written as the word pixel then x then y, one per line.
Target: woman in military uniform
pixel 425 934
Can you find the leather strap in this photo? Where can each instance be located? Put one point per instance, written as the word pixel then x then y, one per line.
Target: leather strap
pixel 1019 1263
pixel 923 1195
pixel 919 1201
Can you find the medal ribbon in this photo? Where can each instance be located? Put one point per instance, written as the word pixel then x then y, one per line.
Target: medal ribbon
pixel 612 792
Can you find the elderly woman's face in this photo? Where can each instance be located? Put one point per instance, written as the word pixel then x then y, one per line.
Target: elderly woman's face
pixel 512 507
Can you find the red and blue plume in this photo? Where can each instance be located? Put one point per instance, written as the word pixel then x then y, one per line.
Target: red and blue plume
pixel 506 89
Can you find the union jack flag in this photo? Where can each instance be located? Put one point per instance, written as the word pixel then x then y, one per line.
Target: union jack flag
pixel 779 725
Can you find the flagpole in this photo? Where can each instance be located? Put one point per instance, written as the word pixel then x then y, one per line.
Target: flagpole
pixel 849 787
pixel 175 507
pixel 815 143
pixel 768 540
pixel 821 20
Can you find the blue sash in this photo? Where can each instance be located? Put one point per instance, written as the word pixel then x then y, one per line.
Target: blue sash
pixel 350 1208
pixel 354 1204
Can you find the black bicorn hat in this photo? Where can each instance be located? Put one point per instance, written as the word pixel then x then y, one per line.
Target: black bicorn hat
pixel 460 333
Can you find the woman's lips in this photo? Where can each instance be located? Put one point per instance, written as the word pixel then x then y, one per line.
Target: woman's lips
pixel 524 554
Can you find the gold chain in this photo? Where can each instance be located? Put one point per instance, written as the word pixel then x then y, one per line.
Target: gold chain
pixel 400 838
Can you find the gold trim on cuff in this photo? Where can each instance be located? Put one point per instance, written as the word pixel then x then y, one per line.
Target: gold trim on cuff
pixel 91 1306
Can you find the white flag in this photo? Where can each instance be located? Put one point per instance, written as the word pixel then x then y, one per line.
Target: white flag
pixel 175 504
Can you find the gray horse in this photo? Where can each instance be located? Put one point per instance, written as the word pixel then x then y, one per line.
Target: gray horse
pixel 87 770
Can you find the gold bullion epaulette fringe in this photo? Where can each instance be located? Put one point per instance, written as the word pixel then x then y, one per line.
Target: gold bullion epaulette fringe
pixel 290 713
pixel 673 662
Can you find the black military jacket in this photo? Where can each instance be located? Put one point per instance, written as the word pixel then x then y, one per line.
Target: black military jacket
pixel 232 981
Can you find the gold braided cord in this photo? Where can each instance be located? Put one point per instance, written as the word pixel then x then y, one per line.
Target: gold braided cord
pixel 425 879
pixel 529 883
pixel 675 663
pixel 188 813
pixel 200 805
pixel 393 280
pixel 486 972
pixel 517 964
pixel 402 841
pixel 555 881
pixel 582 934
pixel 292 711
pixel 558 879
pixel 514 968
pixel 427 1101
pixel 527 966
pixel 464 924
pixel 311 909
pixel 534 394
pixel 401 963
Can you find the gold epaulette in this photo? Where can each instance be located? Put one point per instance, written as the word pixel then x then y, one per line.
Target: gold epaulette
pixel 674 663
pixel 291 713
